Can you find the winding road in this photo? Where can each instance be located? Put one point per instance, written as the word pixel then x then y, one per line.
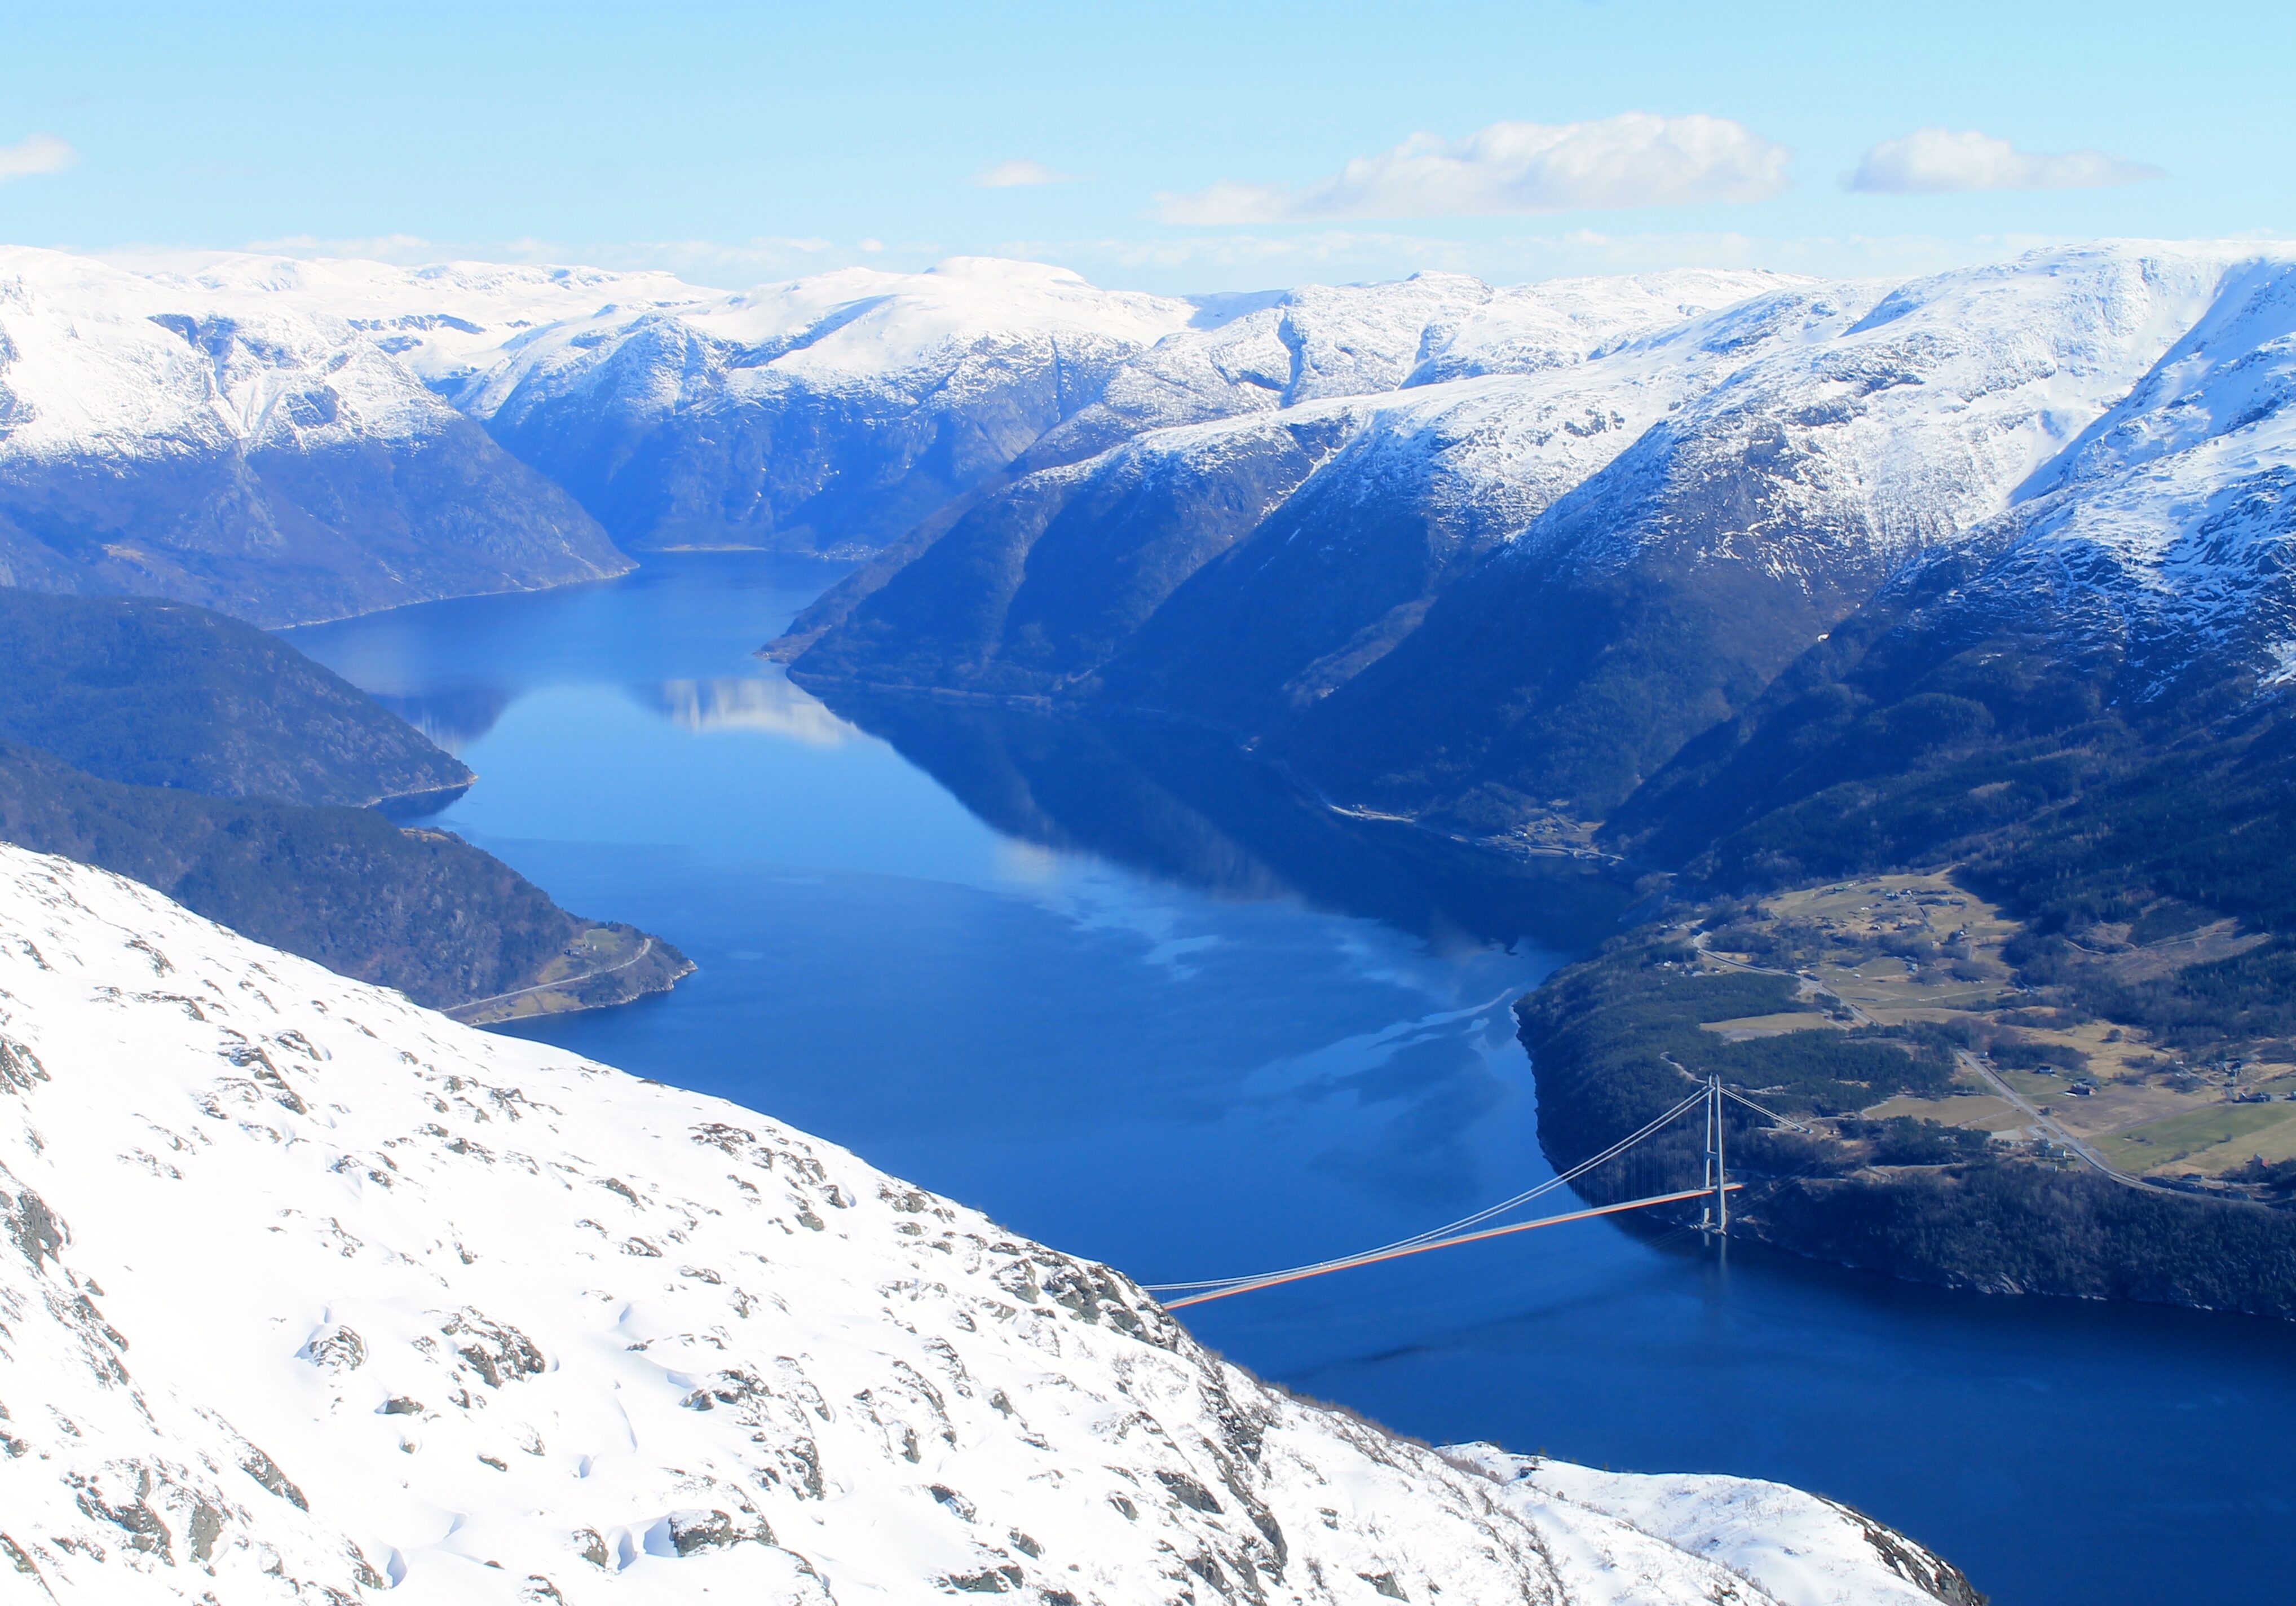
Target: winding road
pixel 1968 1061
pixel 644 948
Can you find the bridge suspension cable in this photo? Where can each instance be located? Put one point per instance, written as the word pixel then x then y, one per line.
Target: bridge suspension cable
pixel 1716 1189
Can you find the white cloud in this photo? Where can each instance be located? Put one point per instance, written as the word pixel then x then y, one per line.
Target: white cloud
pixel 1938 161
pixel 372 248
pixel 1247 259
pixel 36 153
pixel 1238 259
pixel 1636 159
pixel 735 265
pixel 1009 175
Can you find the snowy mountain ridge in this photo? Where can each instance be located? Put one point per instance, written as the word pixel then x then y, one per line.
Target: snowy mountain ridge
pixel 832 412
pixel 228 437
pixel 2165 531
pixel 1422 596
pixel 1901 419
pixel 1311 516
pixel 307 1294
pixel 1320 342
pixel 855 325
pixel 113 363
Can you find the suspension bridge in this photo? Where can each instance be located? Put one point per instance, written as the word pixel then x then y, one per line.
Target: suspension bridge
pixel 1714 1189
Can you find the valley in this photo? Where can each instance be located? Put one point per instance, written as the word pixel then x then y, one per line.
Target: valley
pixel 1192 1012
pixel 1227 805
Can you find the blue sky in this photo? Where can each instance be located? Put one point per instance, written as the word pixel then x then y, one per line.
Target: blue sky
pixel 1195 146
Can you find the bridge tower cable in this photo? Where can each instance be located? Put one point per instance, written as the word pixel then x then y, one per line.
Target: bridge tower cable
pixel 1714 1191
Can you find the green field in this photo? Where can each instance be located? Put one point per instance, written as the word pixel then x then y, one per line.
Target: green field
pixel 2164 1142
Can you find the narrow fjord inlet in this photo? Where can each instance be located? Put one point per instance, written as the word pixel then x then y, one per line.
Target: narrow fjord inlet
pixel 1120 989
pixel 1216 805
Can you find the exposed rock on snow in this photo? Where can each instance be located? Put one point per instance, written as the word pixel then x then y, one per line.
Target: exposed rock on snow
pixel 307 1293
pixel 1801 1547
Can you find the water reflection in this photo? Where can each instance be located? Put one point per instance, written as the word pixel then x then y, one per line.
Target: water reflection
pixel 771 705
pixel 1188 806
pixel 456 718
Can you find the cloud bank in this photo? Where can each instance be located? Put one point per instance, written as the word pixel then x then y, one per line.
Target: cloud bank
pixel 729 265
pixel 1009 175
pixel 1940 161
pixel 1634 159
pixel 35 154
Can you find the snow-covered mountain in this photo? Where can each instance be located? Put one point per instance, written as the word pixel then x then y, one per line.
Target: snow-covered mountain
pixel 445 322
pixel 1664 592
pixel 253 437
pixel 1448 548
pixel 1244 566
pixel 839 412
pixel 1257 354
pixel 831 413
pixel 1489 596
pixel 293 440
pixel 309 1295
pixel 2163 535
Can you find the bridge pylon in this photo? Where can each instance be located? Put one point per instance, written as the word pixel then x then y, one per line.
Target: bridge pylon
pixel 1714 1192
pixel 1714 1220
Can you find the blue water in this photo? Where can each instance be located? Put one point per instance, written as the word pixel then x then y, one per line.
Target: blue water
pixel 1160 1013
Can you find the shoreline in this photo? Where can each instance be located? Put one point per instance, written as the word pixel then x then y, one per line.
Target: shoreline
pixel 1911 1199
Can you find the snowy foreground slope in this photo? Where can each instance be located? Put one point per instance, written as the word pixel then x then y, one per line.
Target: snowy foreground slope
pixel 307 1294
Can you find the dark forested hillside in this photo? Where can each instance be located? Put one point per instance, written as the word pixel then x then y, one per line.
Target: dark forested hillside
pixel 2067 775
pixel 1620 1037
pixel 421 911
pixel 158 693
pixel 198 755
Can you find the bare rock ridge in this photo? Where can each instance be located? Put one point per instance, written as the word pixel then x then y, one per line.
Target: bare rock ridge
pixel 312 1294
